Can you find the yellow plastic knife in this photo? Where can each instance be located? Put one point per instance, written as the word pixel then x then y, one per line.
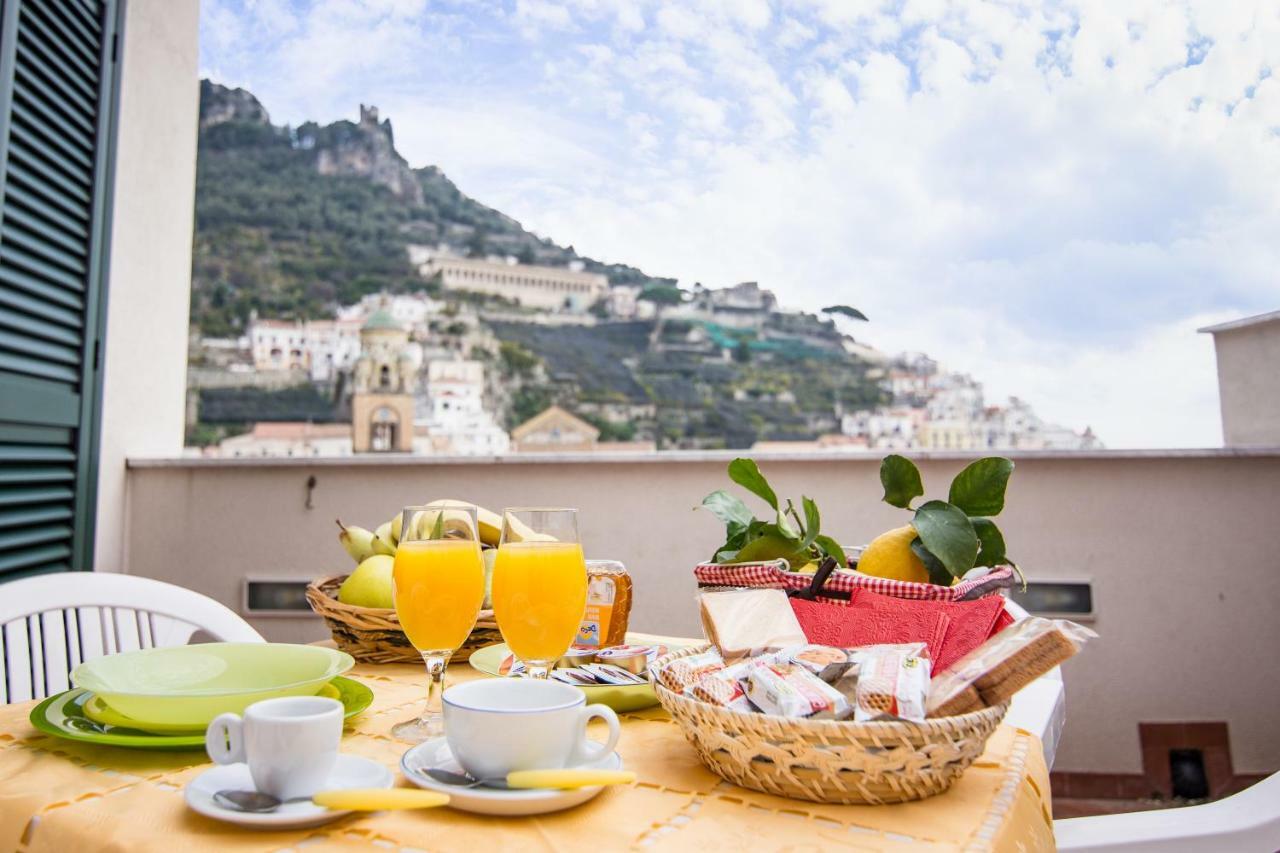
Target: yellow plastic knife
pixel 567 779
pixel 378 799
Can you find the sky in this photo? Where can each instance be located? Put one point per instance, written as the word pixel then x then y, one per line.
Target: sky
pixel 1051 197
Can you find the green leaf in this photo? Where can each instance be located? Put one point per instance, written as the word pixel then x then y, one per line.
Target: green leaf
pixel 901 480
pixel 832 548
pixel 437 529
pixel 990 542
pixel 785 527
pixel 979 488
pixel 728 508
pixel 812 521
pixel 938 573
pixel 747 474
pixel 946 531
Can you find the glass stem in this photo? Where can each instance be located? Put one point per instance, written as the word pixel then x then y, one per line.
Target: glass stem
pixel 437 664
pixel 538 670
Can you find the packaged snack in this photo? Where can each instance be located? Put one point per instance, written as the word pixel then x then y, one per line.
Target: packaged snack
pixel 826 662
pixel 892 681
pixel 609 674
pixel 573 676
pixel 683 672
pixel 792 691
pixel 745 622
pixel 1007 662
pixel 631 658
pixel 724 687
pixel 576 656
pixel 604 623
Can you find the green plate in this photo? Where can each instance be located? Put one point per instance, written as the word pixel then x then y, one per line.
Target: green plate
pixel 619 697
pixel 63 716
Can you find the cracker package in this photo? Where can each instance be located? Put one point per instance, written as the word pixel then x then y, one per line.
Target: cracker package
pixel 1005 664
pixel 826 662
pixel 725 687
pixel 893 681
pixel 683 672
pixel 792 691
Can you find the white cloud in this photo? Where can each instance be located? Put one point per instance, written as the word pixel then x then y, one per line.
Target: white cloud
pixel 1047 197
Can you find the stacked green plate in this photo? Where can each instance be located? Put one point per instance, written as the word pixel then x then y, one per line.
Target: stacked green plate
pixel 81 715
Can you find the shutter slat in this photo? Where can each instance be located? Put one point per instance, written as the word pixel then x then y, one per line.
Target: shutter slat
pixel 29 558
pixel 32 474
pixel 16 518
pixel 71 44
pixel 53 129
pixel 29 222
pixel 34 90
pixel 29 325
pixel 74 183
pixel 46 252
pixel 87 18
pixel 20 198
pixel 34 348
pixel 34 535
pixel 11 253
pixel 40 289
pixel 24 179
pixel 35 495
pixel 35 367
pixel 15 301
pixel 71 78
pixel 19 453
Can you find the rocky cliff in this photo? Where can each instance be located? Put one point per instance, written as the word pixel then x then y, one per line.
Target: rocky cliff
pixel 366 150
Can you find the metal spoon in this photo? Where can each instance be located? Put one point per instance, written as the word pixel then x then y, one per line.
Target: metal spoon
pixel 253 801
pixel 466 780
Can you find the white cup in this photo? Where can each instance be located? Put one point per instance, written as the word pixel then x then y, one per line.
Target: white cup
pixel 498 725
pixel 290 744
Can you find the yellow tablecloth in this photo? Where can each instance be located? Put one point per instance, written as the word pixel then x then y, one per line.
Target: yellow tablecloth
pixel 58 795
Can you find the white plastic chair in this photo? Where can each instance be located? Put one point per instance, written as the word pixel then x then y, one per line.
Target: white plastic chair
pixel 51 623
pixel 1248 821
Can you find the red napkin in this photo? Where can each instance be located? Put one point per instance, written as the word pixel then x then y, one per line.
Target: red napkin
pixel 951 629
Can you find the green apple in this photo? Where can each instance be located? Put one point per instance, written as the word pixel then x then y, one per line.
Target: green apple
pixel 370 584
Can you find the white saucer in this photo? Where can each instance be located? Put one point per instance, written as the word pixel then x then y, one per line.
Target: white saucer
pixel 351 771
pixel 435 753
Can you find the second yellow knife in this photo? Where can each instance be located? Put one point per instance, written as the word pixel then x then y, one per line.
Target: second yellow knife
pixel 567 779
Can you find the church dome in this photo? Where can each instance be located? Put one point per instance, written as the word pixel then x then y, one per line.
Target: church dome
pixel 381 320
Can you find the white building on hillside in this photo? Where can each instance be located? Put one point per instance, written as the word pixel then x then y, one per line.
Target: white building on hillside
pixel 319 347
pixel 455 419
pixel 287 438
pixel 550 288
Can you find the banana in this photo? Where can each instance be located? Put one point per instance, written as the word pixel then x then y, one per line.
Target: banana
pixel 382 541
pixel 490 523
pixel 357 541
pixel 396 524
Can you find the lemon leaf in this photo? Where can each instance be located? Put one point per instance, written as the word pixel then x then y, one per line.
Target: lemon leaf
pixel 729 509
pixel 990 542
pixel 938 573
pixel 747 474
pixel 979 488
pixel 901 480
pixel 832 548
pixel 948 534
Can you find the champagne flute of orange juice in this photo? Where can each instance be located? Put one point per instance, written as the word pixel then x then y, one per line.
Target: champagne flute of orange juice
pixel 438 583
pixel 539 585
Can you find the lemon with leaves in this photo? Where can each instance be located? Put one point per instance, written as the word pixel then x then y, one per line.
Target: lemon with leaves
pixel 890 556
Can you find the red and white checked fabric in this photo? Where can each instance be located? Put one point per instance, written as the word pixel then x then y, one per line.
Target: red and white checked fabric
pixel 774 575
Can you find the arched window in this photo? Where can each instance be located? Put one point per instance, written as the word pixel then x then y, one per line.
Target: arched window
pixel 384 377
pixel 383 426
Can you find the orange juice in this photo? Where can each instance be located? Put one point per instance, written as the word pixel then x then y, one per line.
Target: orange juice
pixel 539 595
pixel 439 587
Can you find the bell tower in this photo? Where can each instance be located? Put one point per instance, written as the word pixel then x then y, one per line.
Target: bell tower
pixel 384 379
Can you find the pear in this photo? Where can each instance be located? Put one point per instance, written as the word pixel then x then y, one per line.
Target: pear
pixel 382 541
pixel 370 585
pixel 357 541
pixel 396 524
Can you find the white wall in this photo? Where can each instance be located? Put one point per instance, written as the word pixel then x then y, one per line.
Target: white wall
pixel 1179 546
pixel 145 358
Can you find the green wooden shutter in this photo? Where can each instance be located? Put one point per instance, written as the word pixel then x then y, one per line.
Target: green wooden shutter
pixel 57 104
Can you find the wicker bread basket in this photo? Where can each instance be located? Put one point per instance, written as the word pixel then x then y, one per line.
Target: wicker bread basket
pixel 829 761
pixel 373 635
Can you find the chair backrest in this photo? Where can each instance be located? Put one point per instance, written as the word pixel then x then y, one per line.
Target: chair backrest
pixel 51 623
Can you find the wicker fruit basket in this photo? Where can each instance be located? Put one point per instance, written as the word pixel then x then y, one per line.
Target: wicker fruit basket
pixel 373 635
pixel 829 761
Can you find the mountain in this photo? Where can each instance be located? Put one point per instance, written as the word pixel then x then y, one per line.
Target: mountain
pixel 292 222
